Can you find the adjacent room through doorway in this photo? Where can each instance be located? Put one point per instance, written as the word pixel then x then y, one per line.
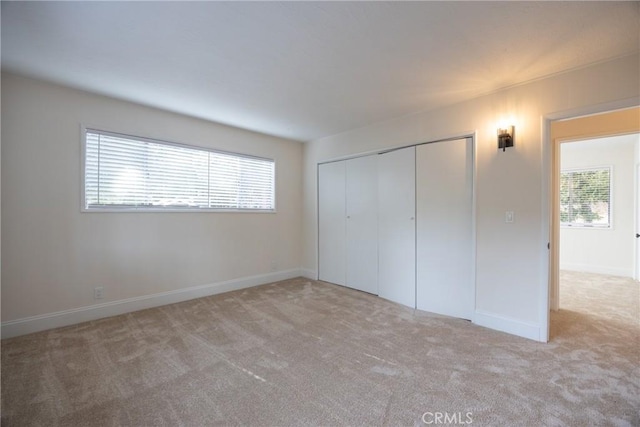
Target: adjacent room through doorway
pixel 598 198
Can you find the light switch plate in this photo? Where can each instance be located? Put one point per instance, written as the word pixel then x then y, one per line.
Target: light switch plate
pixel 509 216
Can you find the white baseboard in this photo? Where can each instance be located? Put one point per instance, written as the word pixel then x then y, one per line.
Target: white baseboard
pixel 508 325
pixel 73 316
pixel 309 274
pixel 598 269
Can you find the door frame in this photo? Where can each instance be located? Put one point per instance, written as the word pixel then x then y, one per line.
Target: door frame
pixel 636 189
pixel 550 265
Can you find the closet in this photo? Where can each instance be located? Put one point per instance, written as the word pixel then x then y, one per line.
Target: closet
pixel 399 224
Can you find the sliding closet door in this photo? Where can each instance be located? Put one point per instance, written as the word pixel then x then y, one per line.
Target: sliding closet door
pixel 396 226
pixel 362 223
pixel 332 223
pixel 444 175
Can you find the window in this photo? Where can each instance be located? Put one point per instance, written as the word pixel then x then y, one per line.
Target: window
pixel 125 172
pixel 585 197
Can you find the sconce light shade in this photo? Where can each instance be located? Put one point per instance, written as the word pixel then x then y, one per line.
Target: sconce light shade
pixel 506 137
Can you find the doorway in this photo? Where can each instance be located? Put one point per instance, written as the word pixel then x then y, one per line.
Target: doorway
pixel 597 225
pixel 613 123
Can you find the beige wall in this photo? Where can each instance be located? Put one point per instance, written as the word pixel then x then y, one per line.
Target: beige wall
pixel 54 255
pixel 511 259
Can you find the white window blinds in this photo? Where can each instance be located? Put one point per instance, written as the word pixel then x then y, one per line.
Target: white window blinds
pixel 585 197
pixel 124 172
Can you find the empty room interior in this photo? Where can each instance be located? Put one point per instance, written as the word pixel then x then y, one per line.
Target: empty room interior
pixel 320 213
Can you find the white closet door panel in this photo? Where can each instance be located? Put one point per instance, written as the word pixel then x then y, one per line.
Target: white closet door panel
pixel 396 226
pixel 444 228
pixel 362 223
pixel 332 222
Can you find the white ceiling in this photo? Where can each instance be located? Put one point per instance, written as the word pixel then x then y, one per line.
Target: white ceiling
pixel 304 70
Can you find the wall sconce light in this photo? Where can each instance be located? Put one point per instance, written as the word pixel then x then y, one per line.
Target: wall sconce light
pixel 506 137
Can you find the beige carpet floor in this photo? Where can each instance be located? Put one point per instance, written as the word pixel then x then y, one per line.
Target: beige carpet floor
pixel 301 352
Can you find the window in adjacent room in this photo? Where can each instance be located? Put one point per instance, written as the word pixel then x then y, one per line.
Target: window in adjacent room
pixel 585 197
pixel 124 172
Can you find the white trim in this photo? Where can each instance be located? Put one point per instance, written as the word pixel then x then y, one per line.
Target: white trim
pixel 636 213
pixel 509 325
pixel 83 166
pixel 309 274
pixel 474 223
pixel 317 214
pixel 73 316
pixel 545 296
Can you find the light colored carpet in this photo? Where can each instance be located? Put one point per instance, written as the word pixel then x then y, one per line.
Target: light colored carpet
pixel 301 352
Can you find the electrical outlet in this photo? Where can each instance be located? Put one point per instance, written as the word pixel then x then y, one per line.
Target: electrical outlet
pixel 274 265
pixel 98 293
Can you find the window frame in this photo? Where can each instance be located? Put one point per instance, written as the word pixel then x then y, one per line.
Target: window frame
pixel 144 209
pixel 584 226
